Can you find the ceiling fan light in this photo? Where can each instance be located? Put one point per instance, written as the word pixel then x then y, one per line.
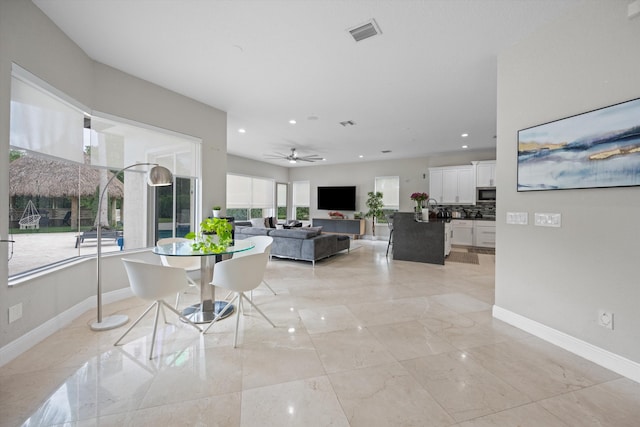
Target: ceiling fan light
pixel 292 161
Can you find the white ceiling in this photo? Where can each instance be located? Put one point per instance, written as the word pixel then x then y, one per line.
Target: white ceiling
pixel 429 77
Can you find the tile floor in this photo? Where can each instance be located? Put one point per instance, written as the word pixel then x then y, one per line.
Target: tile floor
pixel 360 341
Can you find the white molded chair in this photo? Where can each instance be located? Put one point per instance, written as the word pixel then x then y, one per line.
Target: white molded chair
pixel 189 263
pixel 154 282
pixel 262 244
pixel 240 275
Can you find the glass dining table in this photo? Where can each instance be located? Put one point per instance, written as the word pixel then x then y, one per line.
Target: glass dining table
pixel 208 308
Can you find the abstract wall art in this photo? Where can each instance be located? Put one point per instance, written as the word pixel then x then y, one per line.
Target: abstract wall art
pixel 599 148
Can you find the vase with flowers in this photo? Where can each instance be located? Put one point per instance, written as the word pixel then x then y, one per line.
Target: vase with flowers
pixel 419 198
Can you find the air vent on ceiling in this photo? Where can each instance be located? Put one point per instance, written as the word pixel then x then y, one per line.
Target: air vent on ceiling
pixel 364 31
pixel 348 123
pixel 385 151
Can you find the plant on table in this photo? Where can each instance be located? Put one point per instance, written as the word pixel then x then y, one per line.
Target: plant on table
pixel 214 236
pixel 375 205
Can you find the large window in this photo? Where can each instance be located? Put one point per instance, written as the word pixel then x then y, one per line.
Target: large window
pixel 301 199
pixel 61 158
pixel 389 186
pixel 250 197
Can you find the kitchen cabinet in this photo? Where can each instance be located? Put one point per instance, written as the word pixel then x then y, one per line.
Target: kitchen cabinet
pixel 453 185
pixel 484 234
pixel 486 173
pixel 462 232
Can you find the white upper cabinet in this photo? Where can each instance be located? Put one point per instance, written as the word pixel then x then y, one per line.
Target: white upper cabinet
pixel 453 184
pixel 486 173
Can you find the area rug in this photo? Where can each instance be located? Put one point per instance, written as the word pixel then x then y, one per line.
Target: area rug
pixel 463 257
pixel 487 251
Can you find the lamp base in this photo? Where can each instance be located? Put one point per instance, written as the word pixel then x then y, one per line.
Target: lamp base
pixel 110 322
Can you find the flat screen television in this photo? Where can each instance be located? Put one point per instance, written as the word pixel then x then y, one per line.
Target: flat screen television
pixel 337 198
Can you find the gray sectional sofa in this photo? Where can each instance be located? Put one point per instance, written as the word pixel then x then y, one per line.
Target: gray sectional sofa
pixel 300 243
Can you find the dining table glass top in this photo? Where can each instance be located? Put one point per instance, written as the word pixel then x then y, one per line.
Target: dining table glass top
pixel 185 249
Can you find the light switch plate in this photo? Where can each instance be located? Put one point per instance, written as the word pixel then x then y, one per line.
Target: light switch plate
pixel 547 219
pixel 518 218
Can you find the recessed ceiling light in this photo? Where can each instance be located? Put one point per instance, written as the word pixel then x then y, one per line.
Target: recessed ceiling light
pixel 464 135
pixel 324 160
pixel 293 122
pixel 361 156
pixel 241 130
pixel 465 146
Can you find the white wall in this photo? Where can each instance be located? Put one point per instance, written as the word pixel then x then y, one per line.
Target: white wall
pixel 30 39
pixel 560 277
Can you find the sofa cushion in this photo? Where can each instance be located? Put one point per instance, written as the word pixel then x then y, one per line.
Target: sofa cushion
pixel 297 233
pixel 253 231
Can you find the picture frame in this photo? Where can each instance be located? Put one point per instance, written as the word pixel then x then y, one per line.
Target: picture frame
pixel 596 149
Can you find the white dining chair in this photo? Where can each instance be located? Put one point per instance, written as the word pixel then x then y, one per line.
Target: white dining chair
pixel 154 282
pixel 262 244
pixel 188 263
pixel 239 275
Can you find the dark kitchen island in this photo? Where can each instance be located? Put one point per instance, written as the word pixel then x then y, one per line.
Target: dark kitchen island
pixel 418 241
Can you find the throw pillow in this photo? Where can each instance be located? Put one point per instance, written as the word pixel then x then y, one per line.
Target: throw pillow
pixel 258 223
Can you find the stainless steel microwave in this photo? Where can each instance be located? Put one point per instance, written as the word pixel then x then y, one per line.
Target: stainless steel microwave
pixel 486 195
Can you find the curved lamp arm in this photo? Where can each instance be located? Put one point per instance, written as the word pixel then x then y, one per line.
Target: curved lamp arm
pixel 158 176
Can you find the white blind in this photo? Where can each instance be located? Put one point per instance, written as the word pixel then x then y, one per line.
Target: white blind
pixel 389 186
pixel 282 195
pixel 116 143
pixel 248 192
pixel 44 123
pixel 262 193
pixel 301 193
pixel 238 191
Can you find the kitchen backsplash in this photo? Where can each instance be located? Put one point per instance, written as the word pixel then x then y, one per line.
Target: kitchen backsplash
pixel 466 211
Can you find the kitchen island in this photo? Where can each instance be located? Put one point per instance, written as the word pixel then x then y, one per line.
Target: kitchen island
pixel 419 241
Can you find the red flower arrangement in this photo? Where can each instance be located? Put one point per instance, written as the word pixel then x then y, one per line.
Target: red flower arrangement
pixel 419 197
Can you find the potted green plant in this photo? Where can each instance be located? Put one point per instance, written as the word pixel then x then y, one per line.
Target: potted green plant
pixel 214 235
pixel 216 211
pixel 374 203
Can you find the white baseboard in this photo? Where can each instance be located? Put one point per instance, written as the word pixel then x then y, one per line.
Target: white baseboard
pixel 18 346
pixel 604 358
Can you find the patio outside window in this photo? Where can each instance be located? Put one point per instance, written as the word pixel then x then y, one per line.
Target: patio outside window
pixel 60 159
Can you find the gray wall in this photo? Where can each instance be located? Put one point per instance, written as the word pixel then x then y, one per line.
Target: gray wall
pixel 30 39
pixel 560 277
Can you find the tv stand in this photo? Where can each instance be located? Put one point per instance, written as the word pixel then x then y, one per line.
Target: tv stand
pixel 352 227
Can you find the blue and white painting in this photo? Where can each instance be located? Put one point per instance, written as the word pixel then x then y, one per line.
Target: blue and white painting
pixel 600 148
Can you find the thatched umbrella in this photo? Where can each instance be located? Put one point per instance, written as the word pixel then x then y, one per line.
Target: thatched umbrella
pixel 38 176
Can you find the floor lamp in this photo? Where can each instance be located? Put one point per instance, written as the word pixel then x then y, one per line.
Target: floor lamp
pixel 158 176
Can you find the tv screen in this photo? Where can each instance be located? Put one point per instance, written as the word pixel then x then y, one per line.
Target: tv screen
pixel 337 198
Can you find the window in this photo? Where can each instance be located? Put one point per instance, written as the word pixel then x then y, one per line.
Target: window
pixel 249 197
pixel 61 157
pixel 389 186
pixel 301 198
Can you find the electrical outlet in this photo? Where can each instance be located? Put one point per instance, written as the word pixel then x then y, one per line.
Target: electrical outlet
pixel 15 312
pixel 605 319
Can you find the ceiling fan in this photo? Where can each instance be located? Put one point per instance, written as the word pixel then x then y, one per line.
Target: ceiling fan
pixel 294 157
